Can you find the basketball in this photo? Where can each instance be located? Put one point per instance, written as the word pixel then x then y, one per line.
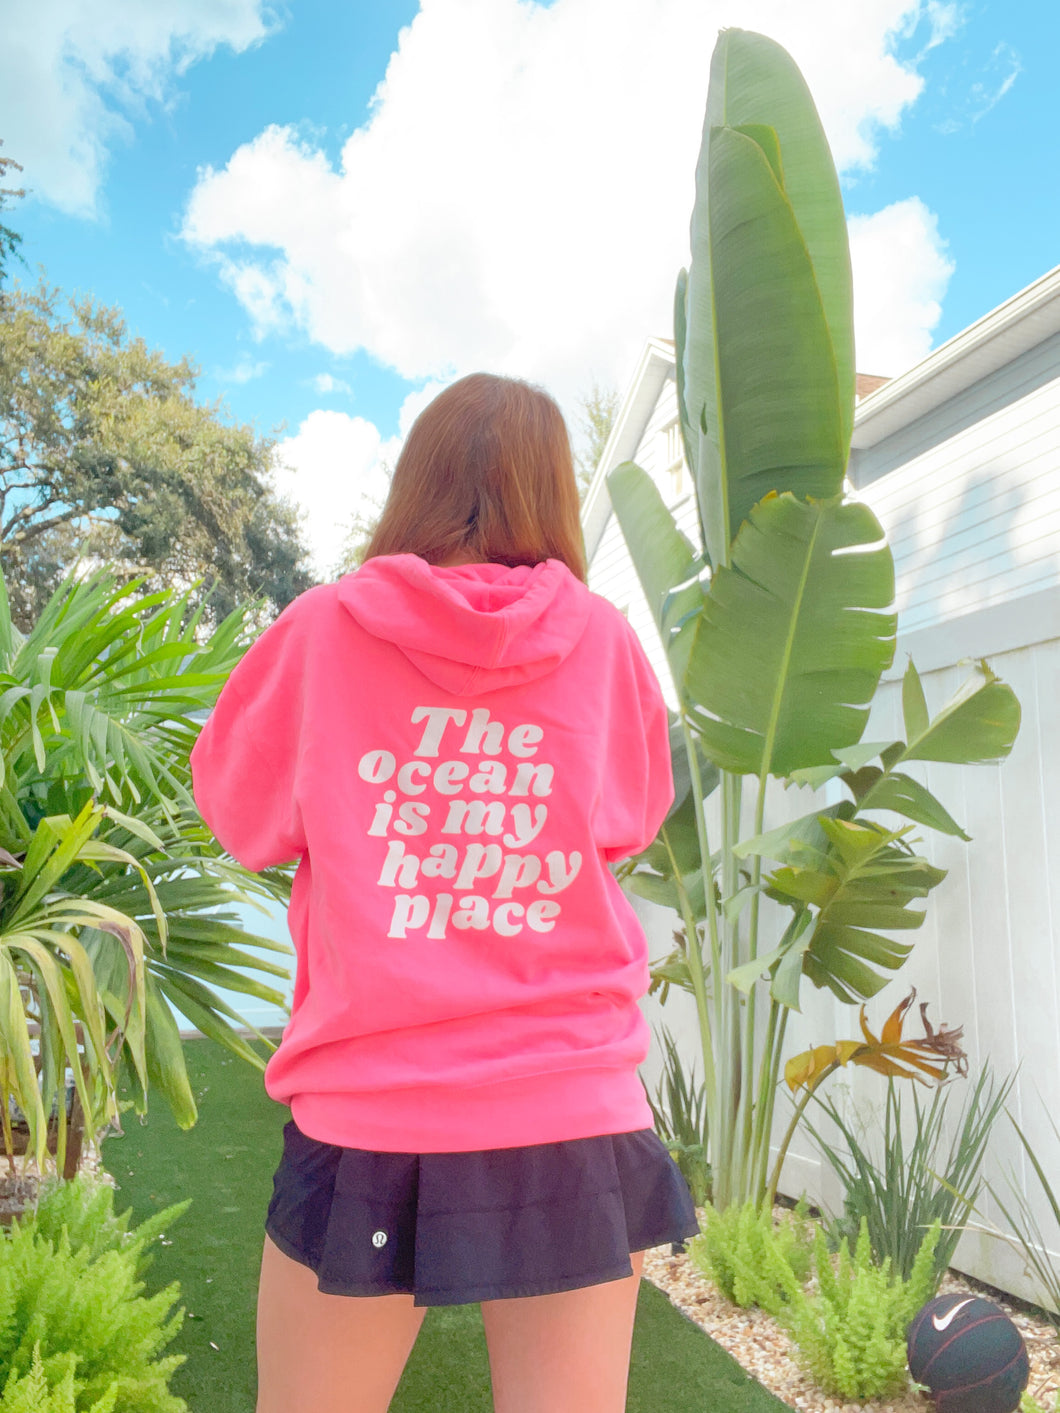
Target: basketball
pixel 970 1355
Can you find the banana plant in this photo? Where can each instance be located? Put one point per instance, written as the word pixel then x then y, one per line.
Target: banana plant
pixel 100 705
pixel 779 623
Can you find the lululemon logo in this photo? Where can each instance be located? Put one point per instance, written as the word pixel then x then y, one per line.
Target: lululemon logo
pixel 379 1238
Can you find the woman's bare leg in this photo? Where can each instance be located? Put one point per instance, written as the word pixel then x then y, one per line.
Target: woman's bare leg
pixel 563 1353
pixel 328 1353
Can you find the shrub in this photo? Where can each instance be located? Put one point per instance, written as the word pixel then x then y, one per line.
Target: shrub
pixel 86 1210
pixel 118 905
pixel 34 1394
pixel 74 1321
pixel 753 1260
pixel 850 1334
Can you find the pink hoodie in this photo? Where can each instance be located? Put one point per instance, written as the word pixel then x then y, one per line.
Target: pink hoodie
pixel 454 756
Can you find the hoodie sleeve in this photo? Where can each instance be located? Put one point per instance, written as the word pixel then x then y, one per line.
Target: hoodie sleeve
pixel 638 787
pixel 244 764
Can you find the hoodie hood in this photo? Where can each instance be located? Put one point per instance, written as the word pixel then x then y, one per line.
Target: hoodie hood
pixel 470 627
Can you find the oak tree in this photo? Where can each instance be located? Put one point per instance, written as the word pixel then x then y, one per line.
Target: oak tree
pixel 106 455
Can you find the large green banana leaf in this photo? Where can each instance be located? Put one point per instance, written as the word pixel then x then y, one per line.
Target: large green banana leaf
pixel 769 252
pixel 793 637
pixel 758 84
pixel 846 879
pixel 863 884
pixel 666 562
pixel 978 724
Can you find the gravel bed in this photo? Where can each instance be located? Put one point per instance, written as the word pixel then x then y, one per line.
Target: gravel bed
pixel 763 1348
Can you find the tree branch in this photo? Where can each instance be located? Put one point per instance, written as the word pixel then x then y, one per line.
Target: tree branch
pixel 25 486
pixel 33 532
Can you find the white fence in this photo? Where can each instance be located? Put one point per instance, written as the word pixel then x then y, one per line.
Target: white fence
pixel 986 957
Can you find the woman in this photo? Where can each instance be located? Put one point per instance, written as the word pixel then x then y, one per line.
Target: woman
pixel 454 742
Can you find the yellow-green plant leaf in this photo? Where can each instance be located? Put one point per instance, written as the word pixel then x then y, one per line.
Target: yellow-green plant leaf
pixel 166 1066
pixel 16 1044
pixel 864 883
pixel 769 252
pixel 99 849
pixel 905 796
pixel 778 843
pixel 793 637
pixel 55 846
pixel 137 827
pixel 44 965
pixel 977 725
pixel 914 704
pixel 666 562
pixel 79 912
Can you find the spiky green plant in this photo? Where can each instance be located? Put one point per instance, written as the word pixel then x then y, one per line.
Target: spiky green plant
pixel 679 1111
pixel 118 905
pixel 904 1176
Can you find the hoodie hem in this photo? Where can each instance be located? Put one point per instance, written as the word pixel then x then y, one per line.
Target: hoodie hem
pixel 452 1119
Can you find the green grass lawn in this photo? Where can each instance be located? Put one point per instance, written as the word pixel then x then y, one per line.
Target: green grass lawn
pixel 225 1164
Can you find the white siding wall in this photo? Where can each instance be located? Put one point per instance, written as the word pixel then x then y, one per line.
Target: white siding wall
pixel 972 508
pixel 970 500
pixel 970 495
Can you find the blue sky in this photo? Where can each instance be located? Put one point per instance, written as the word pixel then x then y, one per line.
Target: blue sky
pixel 515 196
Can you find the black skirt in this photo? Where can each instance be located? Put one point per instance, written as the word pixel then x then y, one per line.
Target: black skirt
pixel 456 1228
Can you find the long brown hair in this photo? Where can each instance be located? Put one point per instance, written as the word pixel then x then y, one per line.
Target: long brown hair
pixel 485 471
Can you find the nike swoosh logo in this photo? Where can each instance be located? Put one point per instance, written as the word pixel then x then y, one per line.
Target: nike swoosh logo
pixel 950 1315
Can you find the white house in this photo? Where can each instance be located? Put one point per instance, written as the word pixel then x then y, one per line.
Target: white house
pixel 960 459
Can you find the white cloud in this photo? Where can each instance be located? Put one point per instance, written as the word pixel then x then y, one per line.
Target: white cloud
pixel 331 468
pixel 519 198
pixel 242 372
pixel 1002 71
pixel 328 383
pixel 72 72
pixel 414 405
pixel 336 467
pixel 941 18
pixel 901 270
pixel 996 75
